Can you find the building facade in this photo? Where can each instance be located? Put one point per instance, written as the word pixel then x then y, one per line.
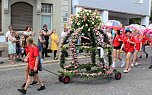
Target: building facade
pixel 34 13
pixel 121 10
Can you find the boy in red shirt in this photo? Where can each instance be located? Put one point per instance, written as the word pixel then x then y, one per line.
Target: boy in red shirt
pixel 128 44
pixel 144 41
pixel 32 57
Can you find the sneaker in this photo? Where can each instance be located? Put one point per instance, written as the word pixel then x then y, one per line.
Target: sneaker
pixel 136 64
pixel 125 71
pixel 113 65
pixel 41 88
pixel 129 69
pixel 23 85
pixel 132 65
pixel 146 55
pixel 140 56
pixel 139 63
pixel 123 63
pixel 55 58
pixel 34 82
pixel 150 67
pixel 1 62
pixel 47 56
pixel 23 91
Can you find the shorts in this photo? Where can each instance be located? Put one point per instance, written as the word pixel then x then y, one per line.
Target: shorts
pixel 117 47
pixel 32 73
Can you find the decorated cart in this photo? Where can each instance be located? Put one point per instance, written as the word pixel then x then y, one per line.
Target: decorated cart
pixel 86 24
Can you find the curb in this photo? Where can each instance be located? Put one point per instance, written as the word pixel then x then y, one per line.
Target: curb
pixel 24 64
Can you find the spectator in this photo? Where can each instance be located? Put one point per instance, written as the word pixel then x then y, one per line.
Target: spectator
pixel 64 33
pixel 10 29
pixel 28 32
pixel 41 44
pixel 23 47
pixel 18 47
pixel 54 42
pixel 46 35
pixel 12 46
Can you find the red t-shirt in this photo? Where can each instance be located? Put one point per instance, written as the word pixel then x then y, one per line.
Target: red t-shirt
pixel 128 46
pixel 26 49
pixel 137 42
pixel 34 53
pixel 116 41
pixel 145 39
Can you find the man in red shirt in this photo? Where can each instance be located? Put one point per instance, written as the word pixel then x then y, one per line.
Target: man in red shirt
pixel 32 57
pixel 128 44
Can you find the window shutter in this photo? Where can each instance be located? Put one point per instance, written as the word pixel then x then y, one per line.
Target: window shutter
pixel 22 16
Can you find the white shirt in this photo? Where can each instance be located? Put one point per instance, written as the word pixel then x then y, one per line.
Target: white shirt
pixel 63 34
pixel 27 33
pixel 8 34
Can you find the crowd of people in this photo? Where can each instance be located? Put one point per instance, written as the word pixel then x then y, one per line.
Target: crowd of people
pixel 17 44
pixel 132 43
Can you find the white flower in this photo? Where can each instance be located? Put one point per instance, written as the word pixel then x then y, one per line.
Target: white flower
pixel 86 25
pixel 88 29
pixel 89 11
pixel 77 15
pixel 78 23
pixel 92 22
pixel 81 27
pixel 87 14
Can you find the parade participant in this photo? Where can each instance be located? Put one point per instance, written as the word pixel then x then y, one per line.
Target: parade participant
pixel 54 43
pixel 117 42
pixel 138 45
pixel 33 63
pixel 128 44
pixel 144 42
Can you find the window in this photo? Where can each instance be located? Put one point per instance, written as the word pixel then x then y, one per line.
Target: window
pixel 138 1
pixel 46 8
pixel 21 16
pixel 46 16
pixel 46 19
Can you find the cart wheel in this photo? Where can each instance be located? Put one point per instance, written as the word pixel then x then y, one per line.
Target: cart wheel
pixel 118 76
pixel 60 78
pixel 66 79
pixel 88 68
